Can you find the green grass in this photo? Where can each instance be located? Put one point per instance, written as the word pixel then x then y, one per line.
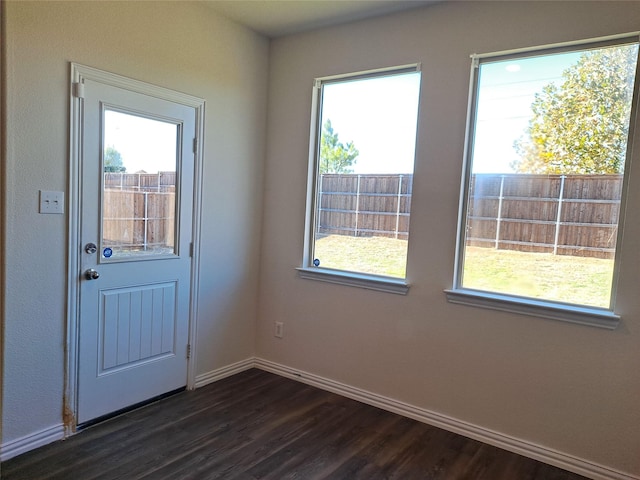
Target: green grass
pixel 579 280
pixel 376 255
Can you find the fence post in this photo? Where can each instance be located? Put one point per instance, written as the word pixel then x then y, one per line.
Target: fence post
pixel 399 199
pixel 319 219
pixel 559 213
pixel 355 233
pixel 499 217
pixel 146 218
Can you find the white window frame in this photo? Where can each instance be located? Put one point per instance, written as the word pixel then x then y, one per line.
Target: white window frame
pixel 308 270
pixel 584 315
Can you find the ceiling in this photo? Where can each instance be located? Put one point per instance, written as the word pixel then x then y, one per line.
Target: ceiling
pixel 275 18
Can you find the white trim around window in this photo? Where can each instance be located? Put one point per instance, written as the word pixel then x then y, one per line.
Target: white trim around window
pixel 326 269
pixel 603 316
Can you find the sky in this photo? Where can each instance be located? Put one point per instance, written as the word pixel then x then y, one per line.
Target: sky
pixel 144 144
pixel 379 115
pixel 506 91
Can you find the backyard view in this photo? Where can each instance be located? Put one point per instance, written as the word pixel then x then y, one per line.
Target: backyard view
pixel 139 186
pixel 585 280
pixel 544 188
pixel 545 182
pixel 364 170
pixel 542 220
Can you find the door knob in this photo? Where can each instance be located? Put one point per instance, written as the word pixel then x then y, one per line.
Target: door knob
pixel 92 274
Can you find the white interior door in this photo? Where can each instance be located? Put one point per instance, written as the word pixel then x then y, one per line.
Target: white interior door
pixel 136 214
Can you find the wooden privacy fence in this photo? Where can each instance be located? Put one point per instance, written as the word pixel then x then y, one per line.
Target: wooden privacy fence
pixel 146 182
pixel 365 205
pixel 565 215
pixel 139 210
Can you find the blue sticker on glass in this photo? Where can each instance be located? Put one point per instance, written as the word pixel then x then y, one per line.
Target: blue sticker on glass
pixel 316 262
pixel 107 252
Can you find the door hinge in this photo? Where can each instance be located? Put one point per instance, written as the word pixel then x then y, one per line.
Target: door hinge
pixel 195 144
pixel 191 249
pixel 188 351
pixel 78 90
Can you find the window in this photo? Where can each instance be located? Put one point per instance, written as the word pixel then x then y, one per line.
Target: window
pixel 363 137
pixel 544 181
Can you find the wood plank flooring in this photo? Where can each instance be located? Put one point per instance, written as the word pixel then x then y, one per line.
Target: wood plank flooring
pixel 255 425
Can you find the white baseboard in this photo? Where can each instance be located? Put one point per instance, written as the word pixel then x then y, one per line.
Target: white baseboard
pixel 16 447
pixel 537 452
pixel 490 437
pixel 226 371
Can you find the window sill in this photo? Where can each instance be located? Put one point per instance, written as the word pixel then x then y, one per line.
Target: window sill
pixel 370 282
pixel 591 316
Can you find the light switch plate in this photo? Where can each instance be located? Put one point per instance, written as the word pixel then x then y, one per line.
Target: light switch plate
pixel 51 202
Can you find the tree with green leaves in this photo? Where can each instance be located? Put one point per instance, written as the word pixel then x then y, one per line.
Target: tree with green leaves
pixel 335 157
pixel 113 160
pixel 581 126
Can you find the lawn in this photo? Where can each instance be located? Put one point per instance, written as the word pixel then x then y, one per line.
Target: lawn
pixel 579 280
pixel 376 255
pixel 563 278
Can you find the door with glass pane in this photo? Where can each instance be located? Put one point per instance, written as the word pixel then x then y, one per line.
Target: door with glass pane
pixel 136 203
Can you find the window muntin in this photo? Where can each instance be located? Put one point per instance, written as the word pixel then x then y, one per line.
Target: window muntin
pixel 544 174
pixel 363 150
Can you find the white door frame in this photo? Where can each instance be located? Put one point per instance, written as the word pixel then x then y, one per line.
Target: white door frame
pixel 76 94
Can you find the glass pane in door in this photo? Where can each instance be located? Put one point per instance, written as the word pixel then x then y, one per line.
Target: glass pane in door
pixel 139 165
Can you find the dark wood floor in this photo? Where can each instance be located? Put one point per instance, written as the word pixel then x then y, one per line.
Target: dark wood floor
pixel 258 425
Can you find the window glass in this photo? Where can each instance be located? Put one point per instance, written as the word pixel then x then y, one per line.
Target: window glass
pixel 365 149
pixel 545 172
pixel 138 186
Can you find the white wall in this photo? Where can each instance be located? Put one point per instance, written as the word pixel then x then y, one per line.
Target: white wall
pixel 180 45
pixel 568 388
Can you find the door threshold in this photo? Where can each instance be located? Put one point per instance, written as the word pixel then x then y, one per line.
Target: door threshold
pixel 130 408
